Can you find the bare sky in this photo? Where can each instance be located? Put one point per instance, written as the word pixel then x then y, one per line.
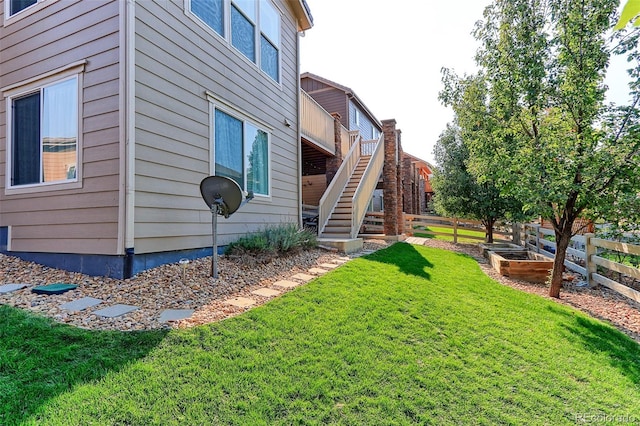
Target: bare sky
pixel 390 53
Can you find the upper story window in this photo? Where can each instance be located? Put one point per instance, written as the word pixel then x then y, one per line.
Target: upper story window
pixel 252 27
pixel 16 6
pixel 211 12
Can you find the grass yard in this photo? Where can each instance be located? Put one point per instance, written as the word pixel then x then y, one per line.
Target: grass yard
pixel 429 232
pixel 407 335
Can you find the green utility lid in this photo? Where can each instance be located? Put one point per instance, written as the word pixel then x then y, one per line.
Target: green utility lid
pixel 57 288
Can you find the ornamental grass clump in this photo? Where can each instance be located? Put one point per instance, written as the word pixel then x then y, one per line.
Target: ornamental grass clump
pixel 271 242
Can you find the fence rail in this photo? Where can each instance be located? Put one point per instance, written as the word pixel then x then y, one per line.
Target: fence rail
pixel 590 251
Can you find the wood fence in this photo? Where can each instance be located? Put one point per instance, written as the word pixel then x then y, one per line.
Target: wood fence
pixel 587 255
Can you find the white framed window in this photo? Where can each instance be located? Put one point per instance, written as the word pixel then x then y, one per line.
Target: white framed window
pixel 356 117
pixel 15 10
pixel 241 149
pixel 252 27
pixel 43 131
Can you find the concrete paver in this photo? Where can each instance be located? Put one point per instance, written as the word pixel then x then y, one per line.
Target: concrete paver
pixel 303 277
pixel 8 288
pixel 241 302
pixel 329 265
pixel 115 310
pixel 317 271
pixel 286 284
pixel 266 292
pixel 80 304
pixel 175 314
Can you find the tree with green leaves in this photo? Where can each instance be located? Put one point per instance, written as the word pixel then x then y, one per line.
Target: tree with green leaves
pixel 553 143
pixel 459 194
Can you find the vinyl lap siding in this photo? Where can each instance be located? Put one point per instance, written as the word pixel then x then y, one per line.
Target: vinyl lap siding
pixel 82 220
pixel 364 125
pixel 177 61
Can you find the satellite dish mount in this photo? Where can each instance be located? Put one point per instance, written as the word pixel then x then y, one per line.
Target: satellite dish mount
pixel 223 196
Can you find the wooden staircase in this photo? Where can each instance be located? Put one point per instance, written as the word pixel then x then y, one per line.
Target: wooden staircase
pixel 340 221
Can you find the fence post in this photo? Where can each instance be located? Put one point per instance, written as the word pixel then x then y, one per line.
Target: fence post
pixel 536 228
pixel 590 266
pixel 515 233
pixel 455 231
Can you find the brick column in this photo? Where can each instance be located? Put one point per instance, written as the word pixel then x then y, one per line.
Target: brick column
pixel 390 177
pixel 333 163
pixel 399 188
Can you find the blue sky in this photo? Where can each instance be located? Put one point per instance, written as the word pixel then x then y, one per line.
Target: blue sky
pixel 390 54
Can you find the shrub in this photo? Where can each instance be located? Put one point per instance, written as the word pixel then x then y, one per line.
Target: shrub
pixel 273 241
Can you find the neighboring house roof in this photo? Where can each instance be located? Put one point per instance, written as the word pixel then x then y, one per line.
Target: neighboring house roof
pixel 302 13
pixel 349 92
pixel 422 164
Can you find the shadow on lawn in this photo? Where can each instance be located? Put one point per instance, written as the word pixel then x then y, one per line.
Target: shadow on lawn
pixel 597 337
pixel 40 359
pixel 405 257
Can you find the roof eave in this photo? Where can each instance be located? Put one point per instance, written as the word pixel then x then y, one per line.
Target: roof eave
pixel 302 13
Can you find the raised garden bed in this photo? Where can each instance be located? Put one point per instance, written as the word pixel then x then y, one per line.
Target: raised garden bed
pixel 501 247
pixel 521 264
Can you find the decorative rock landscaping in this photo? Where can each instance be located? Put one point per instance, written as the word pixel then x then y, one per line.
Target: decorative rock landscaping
pixel 168 296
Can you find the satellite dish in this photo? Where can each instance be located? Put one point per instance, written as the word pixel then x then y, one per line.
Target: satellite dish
pixel 223 192
pixel 223 197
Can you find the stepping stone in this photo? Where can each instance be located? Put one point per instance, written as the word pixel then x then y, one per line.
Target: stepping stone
pixel 175 314
pixel 266 292
pixel 8 288
pixel 318 271
pixel 343 258
pixel 303 277
pixel 339 261
pixel 329 265
pixel 240 302
pixel 81 304
pixel 286 284
pixel 57 288
pixel 115 310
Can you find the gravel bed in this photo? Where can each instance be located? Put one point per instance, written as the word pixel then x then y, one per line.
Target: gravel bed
pixel 165 287
pixel 154 290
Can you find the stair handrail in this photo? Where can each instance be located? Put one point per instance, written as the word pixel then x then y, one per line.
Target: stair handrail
pixel 366 186
pixel 332 194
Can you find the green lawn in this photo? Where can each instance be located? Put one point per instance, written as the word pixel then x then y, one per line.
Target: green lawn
pixel 407 335
pixel 429 232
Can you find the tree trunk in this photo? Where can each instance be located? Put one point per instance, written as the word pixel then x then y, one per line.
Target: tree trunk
pixel 562 242
pixel 488 230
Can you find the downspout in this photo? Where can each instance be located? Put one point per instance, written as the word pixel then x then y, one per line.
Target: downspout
pixel 129 240
pixel 299 140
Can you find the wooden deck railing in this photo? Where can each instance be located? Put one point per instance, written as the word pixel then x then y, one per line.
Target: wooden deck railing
pixel 362 196
pixel 338 183
pixel 316 123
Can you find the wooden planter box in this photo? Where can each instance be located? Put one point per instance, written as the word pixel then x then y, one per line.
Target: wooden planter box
pixel 521 264
pixel 501 247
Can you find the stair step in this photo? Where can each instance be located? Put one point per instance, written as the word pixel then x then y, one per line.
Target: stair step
pixel 336 230
pixel 341 216
pixel 338 222
pixel 340 236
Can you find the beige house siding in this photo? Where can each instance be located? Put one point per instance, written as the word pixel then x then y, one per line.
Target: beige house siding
pixel 177 63
pixel 84 219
